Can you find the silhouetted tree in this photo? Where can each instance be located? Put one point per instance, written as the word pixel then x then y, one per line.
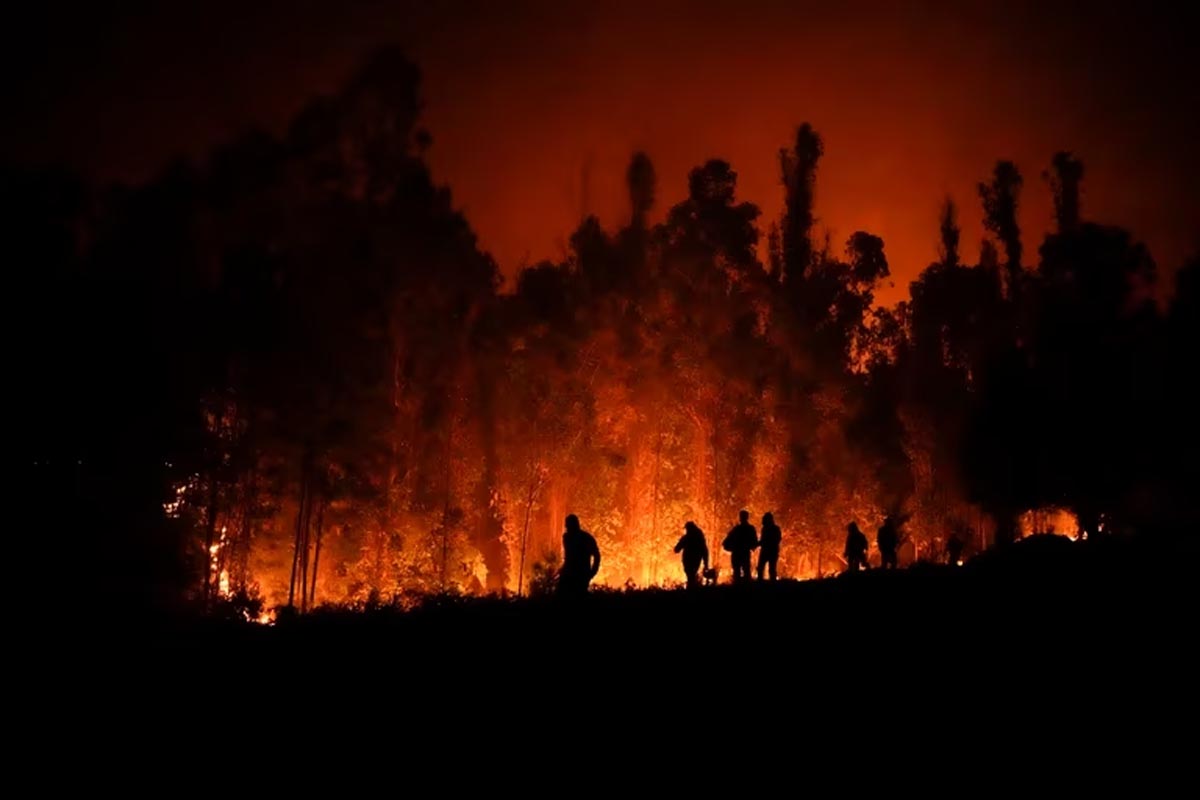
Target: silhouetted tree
pixel 799 168
pixel 641 181
pixel 950 232
pixel 1065 176
pixel 1000 198
pixel 775 253
pixel 710 224
pixel 1097 354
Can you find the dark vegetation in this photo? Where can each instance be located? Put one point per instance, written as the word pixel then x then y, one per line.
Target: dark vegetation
pixel 1076 634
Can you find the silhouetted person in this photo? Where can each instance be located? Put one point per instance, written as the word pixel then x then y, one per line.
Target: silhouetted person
pixel 768 555
pixel 695 553
pixel 856 548
pixel 581 559
pixel 888 539
pixel 740 541
pixel 954 549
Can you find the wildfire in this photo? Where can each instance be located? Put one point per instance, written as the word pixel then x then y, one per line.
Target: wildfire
pixel 1051 519
pixel 174 507
pixel 633 501
pixel 414 561
pixel 215 566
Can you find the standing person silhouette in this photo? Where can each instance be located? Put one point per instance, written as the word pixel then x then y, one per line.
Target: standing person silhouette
pixel 888 539
pixel 742 539
pixel 856 548
pixel 768 554
pixel 581 560
pixel 695 553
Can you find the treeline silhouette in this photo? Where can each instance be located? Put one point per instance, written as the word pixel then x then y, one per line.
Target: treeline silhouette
pixel 289 371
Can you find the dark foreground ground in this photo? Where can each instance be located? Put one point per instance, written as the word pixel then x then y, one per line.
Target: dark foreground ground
pixel 1051 641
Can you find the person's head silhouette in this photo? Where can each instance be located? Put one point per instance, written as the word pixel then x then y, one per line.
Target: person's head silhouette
pixel 768 518
pixel 744 516
pixel 852 527
pixel 572 522
pixel 689 526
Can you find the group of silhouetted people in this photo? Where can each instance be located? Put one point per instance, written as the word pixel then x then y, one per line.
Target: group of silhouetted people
pixel 887 539
pixel 743 539
pixel 581 554
pixel 740 542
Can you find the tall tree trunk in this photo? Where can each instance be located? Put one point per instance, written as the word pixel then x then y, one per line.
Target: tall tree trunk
pixel 210 527
pixel 654 503
pixel 312 594
pixel 299 532
pixel 377 567
pixel 700 477
pixel 445 543
pixel 304 546
pixel 716 483
pixel 629 491
pixel 210 524
pixel 242 562
pixel 535 483
pixel 556 509
pixel 489 534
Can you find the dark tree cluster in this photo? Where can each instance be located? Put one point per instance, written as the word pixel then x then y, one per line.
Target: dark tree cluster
pixel 288 372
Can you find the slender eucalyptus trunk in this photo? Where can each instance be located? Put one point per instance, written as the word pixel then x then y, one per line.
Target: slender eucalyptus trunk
pixel 210 528
pixel 445 541
pixel 716 484
pixel 654 503
pixel 304 545
pixel 242 562
pixel 312 593
pixel 535 483
pixel 299 537
pixel 377 571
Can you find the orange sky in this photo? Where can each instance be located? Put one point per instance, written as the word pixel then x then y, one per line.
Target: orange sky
pixel 535 108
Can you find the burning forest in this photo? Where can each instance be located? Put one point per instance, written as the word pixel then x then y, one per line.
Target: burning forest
pixel 306 383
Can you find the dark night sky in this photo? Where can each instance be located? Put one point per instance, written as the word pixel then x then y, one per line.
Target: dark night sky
pixel 526 99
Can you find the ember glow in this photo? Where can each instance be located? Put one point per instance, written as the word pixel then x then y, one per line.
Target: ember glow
pixel 1060 521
